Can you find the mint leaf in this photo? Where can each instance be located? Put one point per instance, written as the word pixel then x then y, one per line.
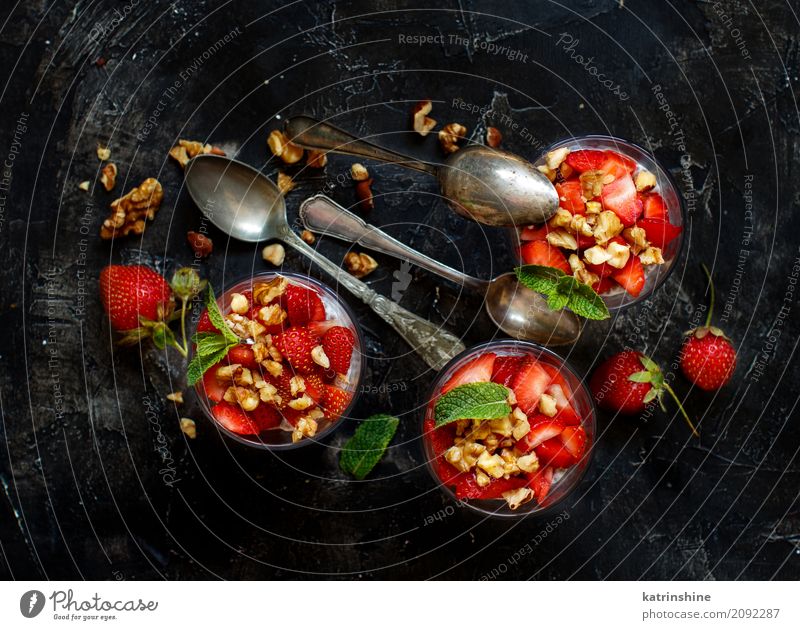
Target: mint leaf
pixel 474 401
pixel 540 278
pixel 556 301
pixel 364 450
pixel 210 349
pixel 585 302
pixel 216 317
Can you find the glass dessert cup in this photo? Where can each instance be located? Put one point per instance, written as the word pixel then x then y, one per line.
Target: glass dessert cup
pixel 280 436
pixel 564 480
pixel 613 294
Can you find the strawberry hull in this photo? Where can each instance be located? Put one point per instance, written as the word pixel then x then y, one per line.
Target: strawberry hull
pixel 462 455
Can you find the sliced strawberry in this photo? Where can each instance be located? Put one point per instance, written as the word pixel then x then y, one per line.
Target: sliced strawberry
pixel 204 323
pixel 603 286
pixel 540 483
pixel 234 419
pixel 505 369
pixel 212 387
pixel 617 165
pixel 586 160
pixel 570 195
pixel 296 344
pixel 302 305
pixel 574 440
pixel 338 344
pixel 243 355
pixel 535 233
pixel 315 387
pixel 321 327
pixel 265 417
pixel 441 439
pixel 566 414
pixel 553 453
pixel 631 276
pixel 556 377
pixel 659 233
pixel 529 384
pixel 479 370
pixel 654 206
pixel 336 401
pixel 542 253
pixel 585 242
pixel 468 488
pixel 542 429
pixel 620 197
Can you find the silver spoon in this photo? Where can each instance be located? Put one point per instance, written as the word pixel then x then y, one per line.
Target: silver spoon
pixel 246 205
pixel 483 184
pixel 514 308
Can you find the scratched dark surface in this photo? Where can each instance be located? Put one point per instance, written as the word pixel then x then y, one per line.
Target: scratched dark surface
pixel 84 487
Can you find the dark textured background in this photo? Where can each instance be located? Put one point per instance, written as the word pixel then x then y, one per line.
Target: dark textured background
pixel 83 487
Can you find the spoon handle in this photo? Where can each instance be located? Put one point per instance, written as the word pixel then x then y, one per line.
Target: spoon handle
pixel 435 345
pixel 323 215
pixel 313 134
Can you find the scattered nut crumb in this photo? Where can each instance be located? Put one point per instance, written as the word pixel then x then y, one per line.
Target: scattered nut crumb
pixel 108 176
pixel 176 397
pixel 308 237
pixel 274 254
pixel 359 172
pixel 493 137
pixel 84 186
pixel 450 135
pixel 103 153
pixel 130 212
pixel 364 194
pixel 316 159
pixel 280 147
pixel 200 244
pixel 189 428
pixel 285 183
pixel 360 264
pixel 421 123
pixel 185 150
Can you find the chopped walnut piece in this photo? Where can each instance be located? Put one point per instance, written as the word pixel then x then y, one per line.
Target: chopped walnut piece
pixel 592 183
pixel 360 264
pixel 580 225
pixel 597 255
pixel 239 303
pixel 316 159
pixel 185 150
pixel 645 181
pixel 521 429
pixel 265 292
pixel 246 398
pixel 562 218
pixel 200 244
pixel 562 238
pixel 274 254
pixel 273 367
pixel 547 404
pixel 302 403
pixel 176 397
pixel 637 237
pixel 581 273
pixel 502 426
pixel 528 463
pixel 108 176
pixel 103 153
pixel 308 237
pixel 515 498
pixel 84 186
pixel 297 385
pixel 492 465
pixel 129 213
pixel 189 428
pixel 319 357
pixel 651 256
pixel 450 135
pixel 593 207
pixel 306 427
pixel 619 254
pixel 422 124
pixel 493 137
pixel 272 314
pixel 547 172
pixel 285 183
pixel 281 147
pixel 564 171
pixel 607 227
pixel 554 158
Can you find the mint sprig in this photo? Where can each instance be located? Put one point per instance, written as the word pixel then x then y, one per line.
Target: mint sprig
pixel 364 450
pixel 474 401
pixel 563 291
pixel 211 347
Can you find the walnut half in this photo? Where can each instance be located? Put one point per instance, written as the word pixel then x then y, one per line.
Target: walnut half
pixel 130 213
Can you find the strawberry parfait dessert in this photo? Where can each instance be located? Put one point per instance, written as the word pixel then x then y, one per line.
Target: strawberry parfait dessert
pixel 508 429
pixel 619 224
pixel 277 360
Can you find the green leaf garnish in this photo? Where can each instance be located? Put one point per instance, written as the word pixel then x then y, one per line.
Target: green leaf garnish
pixel 364 450
pixel 211 347
pixel 474 401
pixel 563 291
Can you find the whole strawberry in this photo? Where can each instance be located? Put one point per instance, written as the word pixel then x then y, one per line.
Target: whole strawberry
pixel 708 358
pixel 629 381
pixel 129 292
pixel 338 344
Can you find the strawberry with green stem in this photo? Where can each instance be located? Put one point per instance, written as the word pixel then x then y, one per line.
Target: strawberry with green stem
pixel 708 358
pixel 629 381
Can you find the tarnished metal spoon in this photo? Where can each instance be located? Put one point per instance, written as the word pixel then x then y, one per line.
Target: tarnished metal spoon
pixel 246 205
pixel 514 308
pixel 486 185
